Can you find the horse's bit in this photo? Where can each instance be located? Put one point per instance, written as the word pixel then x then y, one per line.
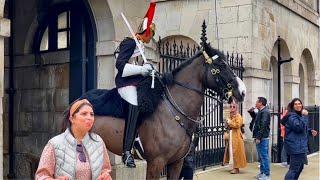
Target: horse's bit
pixel 216 72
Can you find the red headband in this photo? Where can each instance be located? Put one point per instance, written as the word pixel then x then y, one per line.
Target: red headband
pixel 77 104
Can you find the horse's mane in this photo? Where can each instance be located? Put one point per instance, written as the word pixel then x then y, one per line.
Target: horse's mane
pixel 209 50
pixel 149 99
pixel 185 63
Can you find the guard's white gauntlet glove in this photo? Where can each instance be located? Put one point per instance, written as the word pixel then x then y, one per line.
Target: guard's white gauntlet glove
pixel 131 69
pixel 147 68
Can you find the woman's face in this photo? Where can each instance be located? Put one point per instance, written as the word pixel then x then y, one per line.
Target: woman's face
pixel 297 106
pixel 83 120
pixel 233 107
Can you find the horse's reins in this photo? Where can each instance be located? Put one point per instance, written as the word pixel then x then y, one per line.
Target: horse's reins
pixel 214 72
pixel 197 90
pixel 170 99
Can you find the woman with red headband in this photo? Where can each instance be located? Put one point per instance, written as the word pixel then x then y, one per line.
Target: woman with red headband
pixel 77 153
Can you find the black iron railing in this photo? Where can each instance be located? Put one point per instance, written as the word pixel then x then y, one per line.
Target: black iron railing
pixel 211 144
pixel 313 142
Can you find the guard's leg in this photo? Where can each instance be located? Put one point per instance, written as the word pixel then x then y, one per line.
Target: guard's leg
pixel 129 93
pixel 129 135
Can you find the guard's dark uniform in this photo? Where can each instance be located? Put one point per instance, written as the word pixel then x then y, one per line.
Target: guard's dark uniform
pixel 127 79
pixel 127 47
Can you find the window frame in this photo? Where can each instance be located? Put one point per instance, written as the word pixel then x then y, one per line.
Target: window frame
pixel 53 30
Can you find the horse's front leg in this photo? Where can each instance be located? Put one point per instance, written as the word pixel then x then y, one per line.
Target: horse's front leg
pixel 154 168
pixel 174 169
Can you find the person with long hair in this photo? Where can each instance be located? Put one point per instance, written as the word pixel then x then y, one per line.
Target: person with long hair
pixel 235 152
pixel 76 153
pixel 296 137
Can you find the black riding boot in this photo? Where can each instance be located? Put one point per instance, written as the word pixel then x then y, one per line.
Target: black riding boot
pixel 129 135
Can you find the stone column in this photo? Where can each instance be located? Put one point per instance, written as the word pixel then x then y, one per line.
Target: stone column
pixel 291 85
pixel 4 32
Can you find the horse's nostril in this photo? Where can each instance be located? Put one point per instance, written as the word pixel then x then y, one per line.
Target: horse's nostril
pixel 243 93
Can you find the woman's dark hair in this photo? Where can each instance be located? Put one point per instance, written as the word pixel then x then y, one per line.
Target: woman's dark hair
pixel 291 106
pixel 66 121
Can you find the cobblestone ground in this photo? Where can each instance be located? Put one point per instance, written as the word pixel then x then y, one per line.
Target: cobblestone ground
pixel 310 172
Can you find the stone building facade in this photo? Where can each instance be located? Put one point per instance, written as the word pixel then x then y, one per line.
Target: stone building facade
pixel 49 40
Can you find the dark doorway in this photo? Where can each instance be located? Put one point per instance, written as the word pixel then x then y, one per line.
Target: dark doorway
pixel 76 33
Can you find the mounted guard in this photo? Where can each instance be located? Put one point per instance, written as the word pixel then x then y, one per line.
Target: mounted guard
pixel 165 139
pixel 130 72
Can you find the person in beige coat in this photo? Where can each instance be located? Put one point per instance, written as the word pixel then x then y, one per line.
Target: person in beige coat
pixel 235 152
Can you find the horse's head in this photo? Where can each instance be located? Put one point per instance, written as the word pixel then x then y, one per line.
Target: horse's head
pixel 219 76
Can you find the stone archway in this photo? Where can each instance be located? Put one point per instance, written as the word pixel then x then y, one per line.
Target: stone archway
pixel 308 79
pixel 287 79
pixel 105 46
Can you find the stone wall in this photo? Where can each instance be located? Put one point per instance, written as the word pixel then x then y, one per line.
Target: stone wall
pixel 41 96
pixel 41 93
pixel 4 34
pixel 249 27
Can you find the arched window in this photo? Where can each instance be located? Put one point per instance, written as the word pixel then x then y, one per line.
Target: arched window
pixel 69 27
pixel 57 34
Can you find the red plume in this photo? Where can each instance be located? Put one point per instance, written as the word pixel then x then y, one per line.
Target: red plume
pixel 149 15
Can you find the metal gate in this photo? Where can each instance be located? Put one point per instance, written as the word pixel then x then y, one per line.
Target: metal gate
pixel 211 144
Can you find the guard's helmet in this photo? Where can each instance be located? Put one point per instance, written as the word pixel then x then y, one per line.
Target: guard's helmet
pixel 147 26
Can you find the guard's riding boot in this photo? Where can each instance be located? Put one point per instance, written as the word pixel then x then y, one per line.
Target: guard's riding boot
pixel 129 135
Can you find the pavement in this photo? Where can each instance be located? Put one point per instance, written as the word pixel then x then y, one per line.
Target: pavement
pixel 310 171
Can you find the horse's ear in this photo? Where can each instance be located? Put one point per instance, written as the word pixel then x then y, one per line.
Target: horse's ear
pixel 204 35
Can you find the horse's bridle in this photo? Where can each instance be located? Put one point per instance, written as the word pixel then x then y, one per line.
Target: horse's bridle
pixel 225 92
pixel 215 71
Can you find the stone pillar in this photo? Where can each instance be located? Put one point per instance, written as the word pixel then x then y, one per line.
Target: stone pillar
pixel 4 32
pixel 315 96
pixel 291 87
pixel 258 83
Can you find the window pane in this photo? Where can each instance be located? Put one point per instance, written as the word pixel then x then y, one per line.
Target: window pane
pixel 44 41
pixel 62 20
pixel 62 39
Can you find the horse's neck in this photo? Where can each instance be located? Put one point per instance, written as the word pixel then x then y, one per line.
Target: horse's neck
pixel 188 100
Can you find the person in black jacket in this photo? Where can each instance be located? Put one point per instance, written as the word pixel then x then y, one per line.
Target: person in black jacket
pixel 129 74
pixel 189 161
pixel 260 133
pixel 296 137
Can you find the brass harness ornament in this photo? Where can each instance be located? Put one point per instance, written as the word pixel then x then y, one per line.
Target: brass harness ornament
pixel 209 60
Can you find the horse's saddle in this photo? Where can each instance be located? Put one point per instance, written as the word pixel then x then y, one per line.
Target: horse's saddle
pixel 106 102
pixel 109 103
